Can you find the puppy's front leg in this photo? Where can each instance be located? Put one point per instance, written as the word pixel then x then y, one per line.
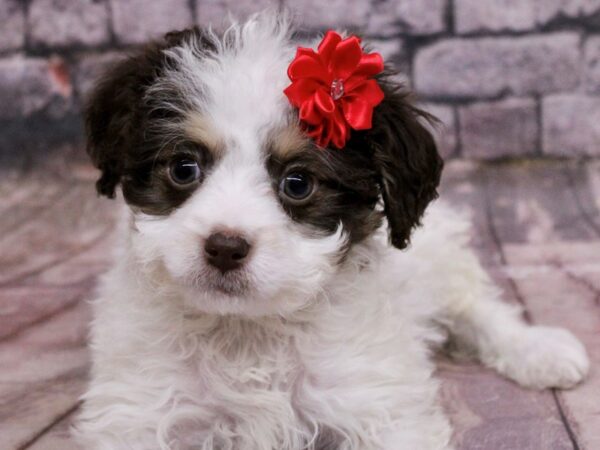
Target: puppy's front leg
pixel 533 356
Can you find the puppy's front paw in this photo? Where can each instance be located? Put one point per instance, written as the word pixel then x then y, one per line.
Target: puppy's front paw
pixel 545 357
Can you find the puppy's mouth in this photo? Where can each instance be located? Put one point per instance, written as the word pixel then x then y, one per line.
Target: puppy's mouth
pixel 231 288
pixel 234 283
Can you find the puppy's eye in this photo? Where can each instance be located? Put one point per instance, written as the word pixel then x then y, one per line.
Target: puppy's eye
pixel 297 186
pixel 184 171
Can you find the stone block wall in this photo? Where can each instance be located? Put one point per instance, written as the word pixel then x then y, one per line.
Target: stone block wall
pixel 508 78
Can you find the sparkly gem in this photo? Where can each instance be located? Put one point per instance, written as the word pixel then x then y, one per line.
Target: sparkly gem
pixel 337 89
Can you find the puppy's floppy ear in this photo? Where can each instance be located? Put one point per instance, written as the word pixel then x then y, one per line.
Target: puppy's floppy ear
pixel 115 111
pixel 406 159
pixel 112 114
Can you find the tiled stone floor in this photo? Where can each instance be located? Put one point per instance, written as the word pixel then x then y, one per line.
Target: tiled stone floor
pixel 536 227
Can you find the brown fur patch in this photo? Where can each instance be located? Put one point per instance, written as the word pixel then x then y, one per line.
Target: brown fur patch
pixel 287 142
pixel 346 193
pixel 199 128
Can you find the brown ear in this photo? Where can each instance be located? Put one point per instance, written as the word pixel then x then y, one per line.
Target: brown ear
pixel 115 112
pixel 112 114
pixel 406 157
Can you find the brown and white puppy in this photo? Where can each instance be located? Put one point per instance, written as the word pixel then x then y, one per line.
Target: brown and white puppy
pixel 255 302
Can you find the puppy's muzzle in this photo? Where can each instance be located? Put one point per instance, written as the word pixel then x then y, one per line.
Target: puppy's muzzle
pixel 226 251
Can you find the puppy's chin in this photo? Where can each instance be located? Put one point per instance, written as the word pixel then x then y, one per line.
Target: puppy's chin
pixel 246 303
pixel 236 283
pixel 238 293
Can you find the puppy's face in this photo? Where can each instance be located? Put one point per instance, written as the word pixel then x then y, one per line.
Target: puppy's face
pixel 244 213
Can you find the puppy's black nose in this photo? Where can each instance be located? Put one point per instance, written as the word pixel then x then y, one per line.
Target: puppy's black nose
pixel 226 252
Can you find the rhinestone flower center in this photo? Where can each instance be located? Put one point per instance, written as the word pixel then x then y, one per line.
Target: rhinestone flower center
pixel 337 89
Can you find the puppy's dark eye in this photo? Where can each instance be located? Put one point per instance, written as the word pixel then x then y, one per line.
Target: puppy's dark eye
pixel 297 186
pixel 184 171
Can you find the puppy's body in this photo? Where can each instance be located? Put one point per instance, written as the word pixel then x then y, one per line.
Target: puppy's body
pixel 322 338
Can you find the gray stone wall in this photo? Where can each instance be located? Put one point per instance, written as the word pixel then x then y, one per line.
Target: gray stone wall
pixel 508 78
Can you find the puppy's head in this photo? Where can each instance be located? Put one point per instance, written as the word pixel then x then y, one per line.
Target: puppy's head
pixel 230 199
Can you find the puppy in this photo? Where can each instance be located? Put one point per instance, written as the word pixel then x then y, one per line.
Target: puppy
pixel 255 302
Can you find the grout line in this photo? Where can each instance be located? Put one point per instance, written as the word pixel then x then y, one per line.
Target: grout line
pixel 27 32
pixel 193 10
pixel 84 283
pixel 35 213
pixel 580 280
pixel 69 255
pixel 565 420
pixel 110 25
pixel 450 17
pixel 45 318
pixel 539 117
pixel 48 427
pixel 458 146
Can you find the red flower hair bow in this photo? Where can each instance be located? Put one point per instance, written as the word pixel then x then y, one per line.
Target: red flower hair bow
pixel 333 90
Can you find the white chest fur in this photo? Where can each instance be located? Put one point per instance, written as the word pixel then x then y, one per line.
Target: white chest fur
pixel 338 371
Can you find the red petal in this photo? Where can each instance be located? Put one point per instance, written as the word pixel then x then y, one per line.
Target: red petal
pixel 324 101
pixel 304 51
pixel 358 113
pixel 345 58
pixel 328 44
pixel 338 132
pixel 309 113
pixel 367 91
pixel 301 90
pixel 307 66
pixel 370 65
pixel 318 134
pixel 353 83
